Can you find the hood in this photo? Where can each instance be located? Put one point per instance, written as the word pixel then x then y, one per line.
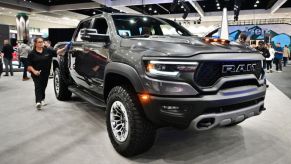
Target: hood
pixel 181 46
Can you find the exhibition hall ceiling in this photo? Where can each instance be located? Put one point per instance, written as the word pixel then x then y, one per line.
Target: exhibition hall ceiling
pixel 59 2
pixel 75 10
pixel 165 8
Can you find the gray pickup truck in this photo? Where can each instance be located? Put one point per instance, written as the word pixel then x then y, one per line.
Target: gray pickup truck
pixel 148 73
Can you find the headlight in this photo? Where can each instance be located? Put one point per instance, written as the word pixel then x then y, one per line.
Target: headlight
pixel 169 68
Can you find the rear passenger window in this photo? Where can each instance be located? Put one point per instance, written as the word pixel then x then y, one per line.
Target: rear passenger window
pixel 85 24
pixel 100 25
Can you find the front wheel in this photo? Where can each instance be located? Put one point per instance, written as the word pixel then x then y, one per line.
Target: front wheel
pixel 61 88
pixel 129 132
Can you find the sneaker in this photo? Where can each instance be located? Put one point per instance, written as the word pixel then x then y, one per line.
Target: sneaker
pixel 38 106
pixel 6 75
pixel 43 103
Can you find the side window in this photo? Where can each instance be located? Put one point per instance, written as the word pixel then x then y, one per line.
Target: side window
pixel 85 24
pixel 100 25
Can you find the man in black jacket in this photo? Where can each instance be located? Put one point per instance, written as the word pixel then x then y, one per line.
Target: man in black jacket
pixel 264 51
pixel 7 51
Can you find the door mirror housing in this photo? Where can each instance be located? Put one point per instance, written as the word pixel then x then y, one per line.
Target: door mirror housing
pixel 92 35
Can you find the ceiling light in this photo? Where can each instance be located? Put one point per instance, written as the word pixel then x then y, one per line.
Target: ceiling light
pixel 255 5
pixel 150 9
pixel 131 21
pixel 94 12
pixel 257 1
pixel 182 7
pixel 155 11
pixel 218 7
pixel 145 18
pixel 217 4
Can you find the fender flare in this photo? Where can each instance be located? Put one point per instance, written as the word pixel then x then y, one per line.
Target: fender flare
pixel 127 71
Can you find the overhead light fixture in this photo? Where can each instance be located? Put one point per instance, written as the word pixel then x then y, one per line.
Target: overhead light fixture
pixel 131 21
pixel 150 9
pixel 217 4
pixel 255 5
pixel 257 1
pixel 218 7
pixel 94 12
pixel 155 11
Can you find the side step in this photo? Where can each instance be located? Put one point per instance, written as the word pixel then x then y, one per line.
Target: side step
pixel 88 97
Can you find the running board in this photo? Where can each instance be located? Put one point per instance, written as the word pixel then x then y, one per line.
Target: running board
pixel 88 97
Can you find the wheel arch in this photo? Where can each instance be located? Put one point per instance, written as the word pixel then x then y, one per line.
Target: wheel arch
pixel 120 74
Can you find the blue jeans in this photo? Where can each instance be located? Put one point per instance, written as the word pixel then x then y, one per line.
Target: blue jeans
pixel 8 62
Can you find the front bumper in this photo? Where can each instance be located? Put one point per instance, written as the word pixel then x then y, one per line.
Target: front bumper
pixel 181 112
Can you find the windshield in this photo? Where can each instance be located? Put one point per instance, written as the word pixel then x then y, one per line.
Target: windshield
pixel 145 26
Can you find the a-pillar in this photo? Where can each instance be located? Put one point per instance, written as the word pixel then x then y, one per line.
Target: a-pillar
pixel 22 23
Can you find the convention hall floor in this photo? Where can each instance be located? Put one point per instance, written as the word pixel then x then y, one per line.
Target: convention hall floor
pixel 74 132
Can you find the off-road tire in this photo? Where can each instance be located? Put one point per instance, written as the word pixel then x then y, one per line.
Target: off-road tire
pixel 141 132
pixel 63 93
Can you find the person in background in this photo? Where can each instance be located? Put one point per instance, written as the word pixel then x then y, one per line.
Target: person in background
pixel 47 44
pixel 286 55
pixel 269 60
pixel 264 51
pixel 7 50
pixel 23 51
pixel 242 39
pixel 39 64
pixel 278 57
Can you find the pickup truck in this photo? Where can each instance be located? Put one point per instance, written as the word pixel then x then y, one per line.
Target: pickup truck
pixel 148 73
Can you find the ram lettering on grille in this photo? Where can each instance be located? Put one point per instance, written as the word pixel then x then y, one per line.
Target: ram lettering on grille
pixel 239 68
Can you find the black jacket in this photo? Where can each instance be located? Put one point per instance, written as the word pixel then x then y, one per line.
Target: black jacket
pixel 264 51
pixel 8 50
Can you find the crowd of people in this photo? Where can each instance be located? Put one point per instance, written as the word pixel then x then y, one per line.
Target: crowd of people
pixel 36 59
pixel 277 55
pixel 23 49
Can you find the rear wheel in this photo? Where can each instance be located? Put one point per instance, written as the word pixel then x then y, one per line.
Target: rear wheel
pixel 130 133
pixel 61 88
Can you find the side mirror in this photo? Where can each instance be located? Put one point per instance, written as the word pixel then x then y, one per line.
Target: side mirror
pixel 92 35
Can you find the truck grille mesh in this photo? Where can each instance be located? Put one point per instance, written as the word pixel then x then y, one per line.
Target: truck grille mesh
pixel 209 72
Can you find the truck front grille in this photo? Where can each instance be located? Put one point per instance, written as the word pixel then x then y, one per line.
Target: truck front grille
pixel 209 72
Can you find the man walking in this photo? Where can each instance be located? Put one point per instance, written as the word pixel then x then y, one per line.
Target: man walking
pixel 23 52
pixel 278 57
pixel 286 55
pixel 7 51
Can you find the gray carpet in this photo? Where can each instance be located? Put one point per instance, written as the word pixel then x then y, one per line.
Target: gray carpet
pixel 282 80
